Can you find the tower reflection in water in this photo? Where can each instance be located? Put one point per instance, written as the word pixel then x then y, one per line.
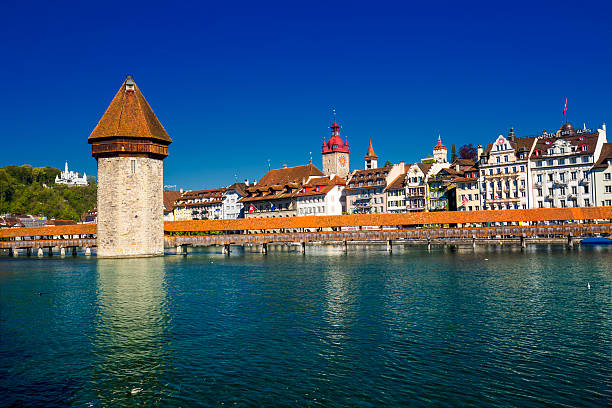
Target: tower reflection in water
pixel 129 341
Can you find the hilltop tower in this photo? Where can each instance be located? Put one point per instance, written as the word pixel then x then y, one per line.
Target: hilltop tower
pixel 335 154
pixel 129 145
pixel 440 152
pixel 371 159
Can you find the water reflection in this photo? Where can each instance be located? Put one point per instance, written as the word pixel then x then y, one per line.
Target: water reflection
pixel 129 341
pixel 339 304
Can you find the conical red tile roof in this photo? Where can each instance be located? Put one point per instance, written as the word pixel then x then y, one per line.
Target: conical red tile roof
pixel 129 115
pixel 371 153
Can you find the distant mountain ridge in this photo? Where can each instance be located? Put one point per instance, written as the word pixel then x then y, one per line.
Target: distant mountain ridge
pixel 31 190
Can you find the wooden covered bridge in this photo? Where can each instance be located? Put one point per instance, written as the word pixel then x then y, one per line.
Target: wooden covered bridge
pixel 468 226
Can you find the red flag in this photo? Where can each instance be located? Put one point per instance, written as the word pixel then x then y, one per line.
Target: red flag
pixel 464 201
pixel 565 107
pixel 251 208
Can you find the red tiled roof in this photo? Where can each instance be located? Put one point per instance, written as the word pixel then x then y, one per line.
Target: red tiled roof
pixel 399 182
pixel 129 115
pixel 370 154
pixel 368 175
pixel 289 174
pixel 575 139
pixel 604 156
pixel 281 183
pixel 239 187
pixel 425 167
pixel 324 184
pixel 439 145
pixel 517 144
pixel 170 198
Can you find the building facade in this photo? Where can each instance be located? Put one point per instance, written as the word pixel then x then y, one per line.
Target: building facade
pixel 335 154
pixel 561 165
pixel 504 174
pixel 467 192
pixel 200 205
pixel 129 144
pixel 366 189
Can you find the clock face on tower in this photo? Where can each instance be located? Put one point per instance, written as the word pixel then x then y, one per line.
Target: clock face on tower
pixel 342 160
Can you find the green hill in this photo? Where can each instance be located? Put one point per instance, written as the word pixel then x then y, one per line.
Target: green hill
pixel 29 190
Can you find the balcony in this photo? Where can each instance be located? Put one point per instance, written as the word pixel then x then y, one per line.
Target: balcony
pixel 549 197
pixel 500 175
pixel 585 181
pixel 560 182
pixel 537 184
pixel 363 196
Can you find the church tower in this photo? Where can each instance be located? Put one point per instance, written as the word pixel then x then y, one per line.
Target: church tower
pixel 129 145
pixel 371 159
pixel 335 154
pixel 440 152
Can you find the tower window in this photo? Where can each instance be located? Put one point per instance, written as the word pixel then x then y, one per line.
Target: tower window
pixel 133 166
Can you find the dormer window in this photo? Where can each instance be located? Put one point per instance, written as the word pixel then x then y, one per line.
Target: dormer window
pixel 538 152
pixel 581 138
pixel 547 142
pixel 585 147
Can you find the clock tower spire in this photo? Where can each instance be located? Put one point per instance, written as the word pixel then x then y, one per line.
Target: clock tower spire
pixel 335 153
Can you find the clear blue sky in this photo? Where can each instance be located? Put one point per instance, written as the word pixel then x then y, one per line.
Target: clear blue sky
pixel 236 84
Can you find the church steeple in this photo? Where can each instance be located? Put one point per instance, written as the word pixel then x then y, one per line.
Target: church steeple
pixel 371 159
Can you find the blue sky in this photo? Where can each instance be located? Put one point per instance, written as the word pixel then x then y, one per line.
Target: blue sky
pixel 236 84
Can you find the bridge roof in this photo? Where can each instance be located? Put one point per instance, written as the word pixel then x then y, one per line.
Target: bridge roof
pixel 129 115
pixel 409 219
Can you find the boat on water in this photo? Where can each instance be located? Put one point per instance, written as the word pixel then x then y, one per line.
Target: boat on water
pixel 596 241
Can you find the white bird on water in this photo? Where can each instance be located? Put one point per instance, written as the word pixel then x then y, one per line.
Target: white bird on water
pixel 588 285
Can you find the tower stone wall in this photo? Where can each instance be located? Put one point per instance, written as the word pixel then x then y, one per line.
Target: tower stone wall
pixel 331 164
pixel 130 207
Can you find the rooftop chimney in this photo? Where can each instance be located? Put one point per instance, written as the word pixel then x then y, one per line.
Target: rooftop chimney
pixel 284 166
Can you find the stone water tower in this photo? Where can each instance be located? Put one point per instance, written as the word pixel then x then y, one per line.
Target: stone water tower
pixel 129 145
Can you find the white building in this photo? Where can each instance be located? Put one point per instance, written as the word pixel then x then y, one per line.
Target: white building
pixel 504 175
pixel 232 208
pixel 416 186
pixel 602 174
pixel 321 196
pixel 71 178
pixel 561 166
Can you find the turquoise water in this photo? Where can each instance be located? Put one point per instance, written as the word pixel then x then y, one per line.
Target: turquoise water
pixel 491 327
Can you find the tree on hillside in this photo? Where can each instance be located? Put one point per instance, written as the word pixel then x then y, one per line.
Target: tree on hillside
pixel 22 191
pixel 453 153
pixel 468 152
pixel 388 164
